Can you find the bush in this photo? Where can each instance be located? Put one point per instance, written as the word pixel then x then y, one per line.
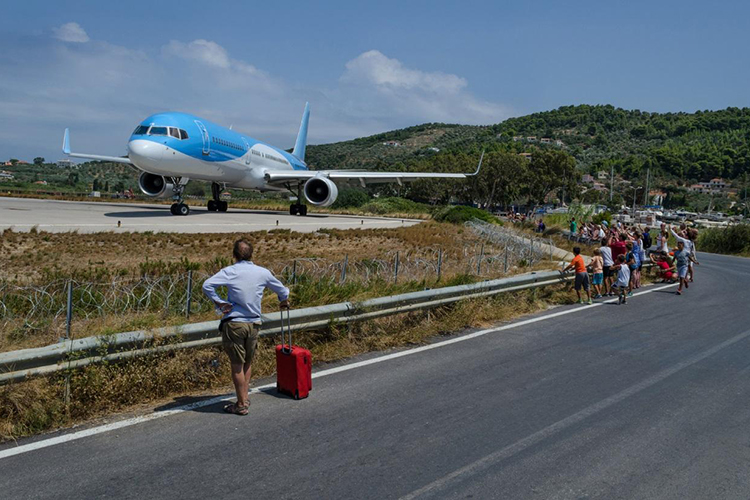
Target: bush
pixel 351 198
pixel 733 240
pixel 395 206
pixel 462 214
pixel 601 217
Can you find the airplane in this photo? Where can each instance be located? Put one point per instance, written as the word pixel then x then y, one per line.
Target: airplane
pixel 171 148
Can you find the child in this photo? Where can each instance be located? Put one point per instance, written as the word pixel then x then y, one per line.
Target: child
pixel 630 260
pixel 683 257
pixel 623 279
pixel 606 254
pixel 597 268
pixel 582 277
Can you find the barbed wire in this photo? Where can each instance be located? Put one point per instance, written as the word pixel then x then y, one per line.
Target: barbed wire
pixel 498 252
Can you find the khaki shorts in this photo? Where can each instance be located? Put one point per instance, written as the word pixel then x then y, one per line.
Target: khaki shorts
pixel 239 340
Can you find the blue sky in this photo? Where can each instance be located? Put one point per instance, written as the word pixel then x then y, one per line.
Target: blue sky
pixel 101 67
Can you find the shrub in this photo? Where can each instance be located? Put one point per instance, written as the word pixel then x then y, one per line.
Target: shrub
pixel 395 205
pixel 351 198
pixel 461 214
pixel 601 217
pixel 731 240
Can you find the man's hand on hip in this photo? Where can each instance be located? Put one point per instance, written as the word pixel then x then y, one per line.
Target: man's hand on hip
pixel 284 304
pixel 225 308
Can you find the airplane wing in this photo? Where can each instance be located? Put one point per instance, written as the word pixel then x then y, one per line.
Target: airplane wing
pixel 66 150
pixel 364 178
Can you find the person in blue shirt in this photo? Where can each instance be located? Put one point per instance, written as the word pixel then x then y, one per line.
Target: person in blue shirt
pixel 241 319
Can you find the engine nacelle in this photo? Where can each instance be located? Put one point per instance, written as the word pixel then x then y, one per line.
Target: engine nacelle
pixel 155 185
pixel 321 191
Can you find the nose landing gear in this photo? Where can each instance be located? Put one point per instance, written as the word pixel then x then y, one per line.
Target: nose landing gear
pixel 178 186
pixel 217 204
pixel 297 208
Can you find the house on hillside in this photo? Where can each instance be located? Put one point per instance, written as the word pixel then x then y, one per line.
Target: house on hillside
pixel 598 186
pixel 531 138
pixel 5 176
pixel 587 179
pixel 716 185
pixel 525 155
pixel 559 143
pixel 517 138
pixel 392 143
pixel 65 163
pixel 602 175
pixel 546 140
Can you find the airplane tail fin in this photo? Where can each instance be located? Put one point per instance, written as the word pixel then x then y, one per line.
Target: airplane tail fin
pixel 301 144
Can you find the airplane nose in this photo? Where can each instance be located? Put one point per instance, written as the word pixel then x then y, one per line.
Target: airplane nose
pixel 146 154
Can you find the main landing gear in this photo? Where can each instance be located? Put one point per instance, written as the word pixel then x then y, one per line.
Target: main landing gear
pixel 217 204
pixel 178 207
pixel 297 208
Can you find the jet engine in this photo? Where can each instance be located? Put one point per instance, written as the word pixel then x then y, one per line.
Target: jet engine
pixel 321 191
pixel 155 185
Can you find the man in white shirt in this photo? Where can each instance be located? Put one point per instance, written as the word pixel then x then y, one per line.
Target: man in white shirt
pixel 240 325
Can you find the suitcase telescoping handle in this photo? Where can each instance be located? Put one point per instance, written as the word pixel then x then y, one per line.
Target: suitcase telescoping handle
pixel 288 329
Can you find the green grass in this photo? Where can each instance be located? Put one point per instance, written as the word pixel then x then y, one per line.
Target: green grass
pixel 733 240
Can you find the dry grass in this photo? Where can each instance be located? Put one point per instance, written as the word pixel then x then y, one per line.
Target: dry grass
pixel 39 405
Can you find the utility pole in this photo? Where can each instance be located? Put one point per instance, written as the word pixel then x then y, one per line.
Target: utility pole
pixel 645 195
pixel 745 194
pixel 611 183
pixel 635 192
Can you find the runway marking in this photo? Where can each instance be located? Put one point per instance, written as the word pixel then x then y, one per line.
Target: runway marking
pixel 488 461
pixel 74 436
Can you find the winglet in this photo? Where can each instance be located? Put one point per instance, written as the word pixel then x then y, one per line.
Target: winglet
pixel 478 166
pixel 301 144
pixel 66 142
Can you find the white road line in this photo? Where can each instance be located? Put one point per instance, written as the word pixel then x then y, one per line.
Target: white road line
pixel 73 436
pixel 436 487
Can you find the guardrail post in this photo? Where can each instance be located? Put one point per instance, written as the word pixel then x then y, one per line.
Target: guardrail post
pixel 343 268
pixel 550 250
pixel 506 259
pixel 440 263
pixel 395 272
pixel 189 298
pixel 69 310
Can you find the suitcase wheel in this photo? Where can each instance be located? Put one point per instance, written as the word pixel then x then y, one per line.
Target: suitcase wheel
pixel 296 395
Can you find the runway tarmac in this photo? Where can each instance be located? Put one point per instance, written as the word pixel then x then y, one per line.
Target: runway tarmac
pixel 57 216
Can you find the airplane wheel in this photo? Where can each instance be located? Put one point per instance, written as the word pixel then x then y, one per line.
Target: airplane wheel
pixel 182 209
pixel 173 209
pixel 303 210
pixel 223 206
pixel 212 206
pixel 292 209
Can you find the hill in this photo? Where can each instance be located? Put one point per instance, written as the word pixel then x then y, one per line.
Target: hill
pixel 684 147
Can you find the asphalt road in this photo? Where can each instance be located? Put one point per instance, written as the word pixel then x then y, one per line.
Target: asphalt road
pixel 56 216
pixel 646 400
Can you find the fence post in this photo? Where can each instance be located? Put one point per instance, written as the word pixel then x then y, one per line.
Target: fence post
pixel 343 268
pixel 395 272
pixel 69 310
pixel 440 263
pixel 506 259
pixel 551 258
pixel 294 272
pixel 189 298
pixel 479 261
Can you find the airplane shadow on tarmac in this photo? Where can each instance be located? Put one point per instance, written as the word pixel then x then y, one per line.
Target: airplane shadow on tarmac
pixel 160 212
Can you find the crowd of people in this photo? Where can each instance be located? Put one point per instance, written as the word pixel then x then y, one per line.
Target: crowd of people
pixel 621 253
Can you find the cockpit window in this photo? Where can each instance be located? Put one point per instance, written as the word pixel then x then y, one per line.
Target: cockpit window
pixel 174 132
pixel 158 131
pixel 183 134
pixel 141 130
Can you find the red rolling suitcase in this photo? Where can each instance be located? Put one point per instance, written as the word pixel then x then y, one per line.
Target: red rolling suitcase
pixel 293 365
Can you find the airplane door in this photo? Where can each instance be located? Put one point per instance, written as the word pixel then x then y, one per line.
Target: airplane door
pixel 247 152
pixel 206 138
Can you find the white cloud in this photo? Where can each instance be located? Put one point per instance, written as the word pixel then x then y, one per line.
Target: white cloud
pixel 102 91
pixel 201 51
pixel 381 87
pixel 375 68
pixel 71 32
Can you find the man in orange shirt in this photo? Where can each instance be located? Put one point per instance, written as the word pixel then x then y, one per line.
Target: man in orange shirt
pixel 582 276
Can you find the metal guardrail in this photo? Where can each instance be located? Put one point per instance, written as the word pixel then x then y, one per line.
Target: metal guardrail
pixel 71 354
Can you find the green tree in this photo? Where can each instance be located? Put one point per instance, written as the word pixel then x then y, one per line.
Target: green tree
pixel 550 170
pixel 39 161
pixel 95 186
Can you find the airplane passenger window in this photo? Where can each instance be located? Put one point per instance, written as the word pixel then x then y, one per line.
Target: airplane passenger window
pixel 141 130
pixel 158 131
pixel 183 134
pixel 174 132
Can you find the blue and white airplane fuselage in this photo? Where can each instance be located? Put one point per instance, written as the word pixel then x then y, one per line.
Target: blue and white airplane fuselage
pixel 172 148
pixel 202 150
